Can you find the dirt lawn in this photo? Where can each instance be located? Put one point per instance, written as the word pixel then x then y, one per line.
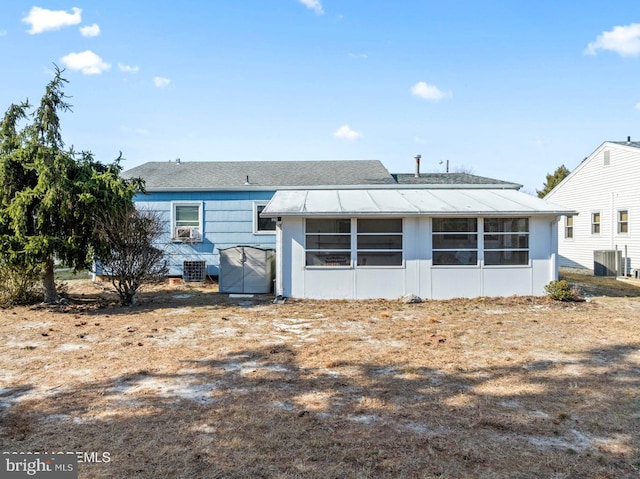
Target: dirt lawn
pixel 194 384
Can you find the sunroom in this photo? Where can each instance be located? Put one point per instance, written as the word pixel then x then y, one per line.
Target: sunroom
pixel 435 243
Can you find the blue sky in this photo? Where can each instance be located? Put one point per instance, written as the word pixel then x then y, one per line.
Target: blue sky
pixel 507 89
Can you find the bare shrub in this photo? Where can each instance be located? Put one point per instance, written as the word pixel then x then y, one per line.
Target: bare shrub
pixel 128 255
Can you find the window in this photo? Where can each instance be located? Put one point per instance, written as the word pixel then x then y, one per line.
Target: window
pixel 595 223
pixel 262 225
pixel 568 227
pixel 455 241
pixel 506 241
pixel 328 242
pixel 187 221
pixel 623 221
pixel 379 242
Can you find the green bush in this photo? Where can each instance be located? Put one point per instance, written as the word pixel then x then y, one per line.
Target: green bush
pixel 19 285
pixel 559 290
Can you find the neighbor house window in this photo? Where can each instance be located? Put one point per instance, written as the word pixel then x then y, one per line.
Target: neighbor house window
pixel 595 223
pixel 328 242
pixel 568 227
pixel 379 242
pixel 455 241
pixel 506 241
pixel 262 225
pixel 187 221
pixel 623 221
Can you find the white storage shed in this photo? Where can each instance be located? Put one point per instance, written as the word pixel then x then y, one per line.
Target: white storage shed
pixel 246 269
pixel 436 243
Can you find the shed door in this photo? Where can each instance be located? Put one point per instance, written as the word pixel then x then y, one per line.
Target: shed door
pixel 255 271
pixel 231 269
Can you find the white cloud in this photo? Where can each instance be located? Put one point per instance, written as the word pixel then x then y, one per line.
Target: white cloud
pixel 637 106
pixel 363 56
pixel 428 92
pixel 3 33
pixel 42 20
pixel 128 68
pixel 625 41
pixel 87 62
pixel 90 30
pixel 161 82
pixel 346 133
pixel 314 5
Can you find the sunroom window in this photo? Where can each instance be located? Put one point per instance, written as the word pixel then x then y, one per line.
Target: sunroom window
pixel 379 242
pixel 455 241
pixel 328 242
pixel 506 241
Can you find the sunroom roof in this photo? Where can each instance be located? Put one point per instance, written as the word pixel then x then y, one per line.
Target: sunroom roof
pixel 352 202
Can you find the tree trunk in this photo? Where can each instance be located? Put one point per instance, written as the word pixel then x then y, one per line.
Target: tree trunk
pixel 49 283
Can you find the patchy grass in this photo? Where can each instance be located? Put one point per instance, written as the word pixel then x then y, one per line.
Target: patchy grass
pixel 191 383
pixel 601 285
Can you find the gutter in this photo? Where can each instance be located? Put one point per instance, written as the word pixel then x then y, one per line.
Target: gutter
pixel 385 186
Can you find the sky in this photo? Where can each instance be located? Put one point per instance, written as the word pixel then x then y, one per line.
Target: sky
pixel 507 89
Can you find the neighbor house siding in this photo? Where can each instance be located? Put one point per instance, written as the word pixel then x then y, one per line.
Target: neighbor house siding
pixel 228 221
pixel 595 186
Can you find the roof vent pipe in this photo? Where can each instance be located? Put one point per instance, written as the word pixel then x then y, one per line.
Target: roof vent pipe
pixel 247 182
pixel 418 165
pixel 177 161
pixel 628 139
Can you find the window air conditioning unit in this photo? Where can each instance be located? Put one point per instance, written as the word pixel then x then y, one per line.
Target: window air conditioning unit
pixel 186 233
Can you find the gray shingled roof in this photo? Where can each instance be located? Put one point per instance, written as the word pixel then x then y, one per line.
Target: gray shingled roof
pixel 450 179
pixel 233 174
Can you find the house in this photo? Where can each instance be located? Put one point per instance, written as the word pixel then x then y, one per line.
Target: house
pixel 604 191
pixel 434 238
pixel 209 206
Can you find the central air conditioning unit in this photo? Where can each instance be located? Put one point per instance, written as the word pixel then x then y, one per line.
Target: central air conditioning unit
pixel 186 233
pixel 194 271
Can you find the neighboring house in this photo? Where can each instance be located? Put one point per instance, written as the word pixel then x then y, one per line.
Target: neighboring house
pixel 604 190
pixel 435 238
pixel 212 205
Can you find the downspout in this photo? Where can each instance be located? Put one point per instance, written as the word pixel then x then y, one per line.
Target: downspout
pixel 279 290
pixel 553 259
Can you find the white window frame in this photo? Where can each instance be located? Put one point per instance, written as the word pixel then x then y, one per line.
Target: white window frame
pixel 256 225
pixel 594 223
pixel 620 222
pixel 506 249
pixel 338 251
pixel 393 251
pixel 199 234
pixel 456 251
pixel 569 229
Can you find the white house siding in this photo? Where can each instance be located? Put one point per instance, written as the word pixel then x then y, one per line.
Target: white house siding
pixel 594 186
pixel 228 221
pixel 417 275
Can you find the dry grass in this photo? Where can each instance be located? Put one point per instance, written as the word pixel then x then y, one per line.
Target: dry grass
pixel 193 384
